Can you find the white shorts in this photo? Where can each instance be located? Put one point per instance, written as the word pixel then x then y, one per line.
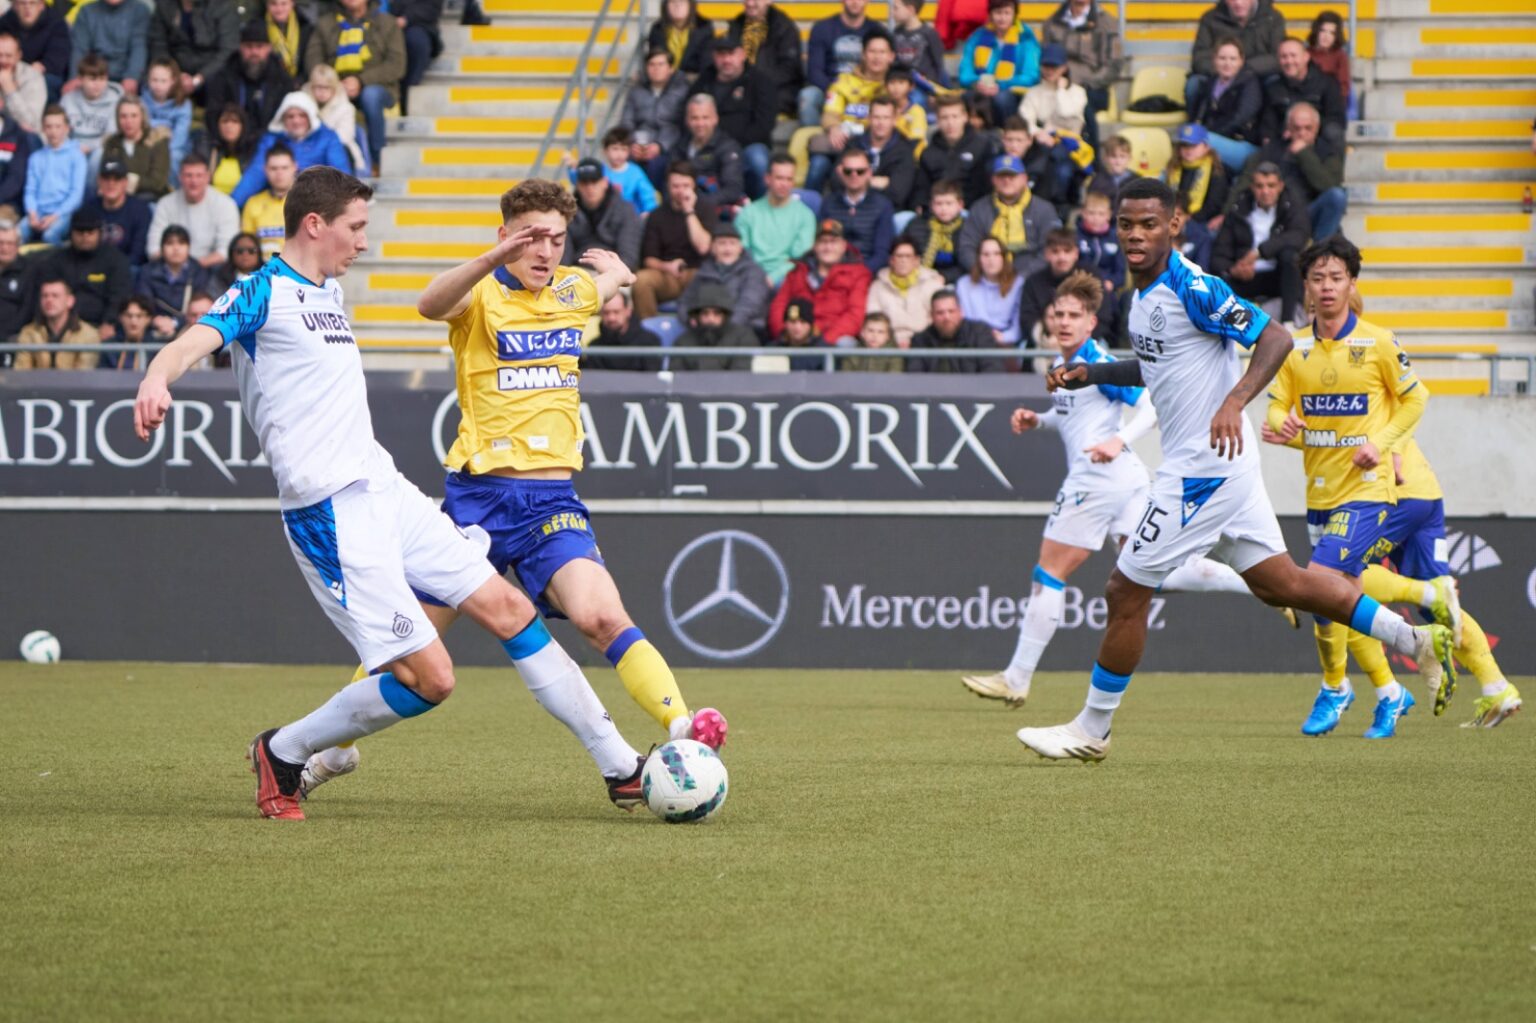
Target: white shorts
pixel 1084 518
pixel 1229 519
pixel 363 549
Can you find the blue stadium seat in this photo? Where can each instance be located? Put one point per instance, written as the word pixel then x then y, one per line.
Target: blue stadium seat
pixel 665 327
pixel 811 199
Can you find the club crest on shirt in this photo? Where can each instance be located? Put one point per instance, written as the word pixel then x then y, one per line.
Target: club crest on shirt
pixel 1356 355
pixel 1157 321
pixel 567 298
pixel 226 300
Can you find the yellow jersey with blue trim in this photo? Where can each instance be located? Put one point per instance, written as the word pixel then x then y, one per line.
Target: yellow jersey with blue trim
pixel 516 352
pixel 1419 480
pixel 1350 390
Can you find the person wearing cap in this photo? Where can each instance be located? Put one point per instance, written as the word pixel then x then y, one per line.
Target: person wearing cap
pixel 1055 113
pixel 1012 215
pixel 712 324
pixel 199 36
pixel 653 113
pixel 729 266
pixel 778 228
pixel 57 323
pixel 144 156
pixel 253 79
pixel 1095 53
pixel 367 49
pixel 800 332
pixel 296 124
pixel 673 244
pixel 1197 176
pixel 746 104
pixel 867 217
pixel 603 220
pixel 835 279
pixel 1001 59
pixel 835 46
pixel 772 43
pixel 950 329
pixel 957 152
pixel 55 182
pixel 845 115
pixel 117 30
pixel 16 145
pixel 99 275
pixel 124 216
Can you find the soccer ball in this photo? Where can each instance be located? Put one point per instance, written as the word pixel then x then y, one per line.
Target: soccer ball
pixel 684 781
pixel 40 647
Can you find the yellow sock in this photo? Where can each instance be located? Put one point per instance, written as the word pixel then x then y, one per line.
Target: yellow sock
pixel 1387 587
pixel 1475 652
pixel 646 676
pixel 1371 658
pixel 1332 651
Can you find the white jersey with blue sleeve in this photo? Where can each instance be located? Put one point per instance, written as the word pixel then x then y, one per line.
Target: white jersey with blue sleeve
pixel 1183 329
pixel 1088 416
pixel 301 382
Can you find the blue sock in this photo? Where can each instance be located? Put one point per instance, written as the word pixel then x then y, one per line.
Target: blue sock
pixel 1105 689
pixel 534 637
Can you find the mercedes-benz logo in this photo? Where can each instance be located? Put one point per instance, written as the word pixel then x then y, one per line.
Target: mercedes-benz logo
pixel 735 609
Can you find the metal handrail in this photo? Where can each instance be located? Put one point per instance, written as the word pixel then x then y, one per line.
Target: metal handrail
pixel 582 85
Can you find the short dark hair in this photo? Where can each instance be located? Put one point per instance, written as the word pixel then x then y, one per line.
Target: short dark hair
pixel 853 152
pixel 943 293
pixel 916 5
pixel 781 159
pixel 177 232
pixel 1149 188
pixel 1231 41
pixel 682 169
pixel 324 191
pixel 1061 238
pixel 882 99
pixel 659 51
pixel 144 305
pixel 954 99
pixel 536 195
pixel 55 279
pixel 1016 123
pixel 1269 169
pixel 54 110
pixel 92 65
pixel 899 73
pixel 1335 246
pixel 874 32
pixel 618 136
pixel 195 156
pixel 279 149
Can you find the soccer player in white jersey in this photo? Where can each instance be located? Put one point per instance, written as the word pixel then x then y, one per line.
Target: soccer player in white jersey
pixel 1208 496
pixel 361 533
pixel 1103 495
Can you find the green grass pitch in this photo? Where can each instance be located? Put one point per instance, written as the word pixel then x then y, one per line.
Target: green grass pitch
pixel 888 851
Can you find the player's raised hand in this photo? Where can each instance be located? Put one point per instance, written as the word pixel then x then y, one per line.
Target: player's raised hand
pixel 1367 456
pixel 1067 377
pixel 604 262
pixel 149 408
pixel 1227 430
pixel 1024 419
pixel 510 248
pixel 1105 450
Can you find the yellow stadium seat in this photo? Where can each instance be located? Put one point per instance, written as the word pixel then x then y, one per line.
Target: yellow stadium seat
pixel 1156 81
pixel 1151 149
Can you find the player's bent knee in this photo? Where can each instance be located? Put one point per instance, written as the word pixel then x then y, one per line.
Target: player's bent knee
pixel 1125 597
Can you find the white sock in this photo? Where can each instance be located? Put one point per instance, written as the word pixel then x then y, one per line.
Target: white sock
pixel 336 758
pixel 1388 626
pixel 1390 691
pixel 1099 709
pixel 1342 687
pixel 558 684
pixel 1427 598
pixel 1202 575
pixel 362 708
pixel 1041 618
pixel 679 728
pixel 1495 688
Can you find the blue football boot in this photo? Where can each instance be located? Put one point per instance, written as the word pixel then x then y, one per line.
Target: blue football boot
pixel 1329 706
pixel 1384 724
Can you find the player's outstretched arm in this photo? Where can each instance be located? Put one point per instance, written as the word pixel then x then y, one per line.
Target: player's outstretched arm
pixel 1269 353
pixel 448 294
pixel 194 345
pixel 1075 376
pixel 608 272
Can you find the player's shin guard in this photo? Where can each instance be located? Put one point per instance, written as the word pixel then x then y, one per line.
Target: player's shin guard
pixel 1105 689
pixel 362 708
pixel 1039 624
pixel 557 682
pixel 1372 619
pixel 646 676
pixel 1387 587
pixel 1202 575
pixel 1476 653
pixel 1332 650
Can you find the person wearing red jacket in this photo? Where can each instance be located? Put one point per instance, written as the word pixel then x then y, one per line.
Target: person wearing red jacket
pixel 835 279
pixel 957 19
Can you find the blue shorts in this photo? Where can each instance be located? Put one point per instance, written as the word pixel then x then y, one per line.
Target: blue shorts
pixel 1350 536
pixel 536 527
pixel 1416 529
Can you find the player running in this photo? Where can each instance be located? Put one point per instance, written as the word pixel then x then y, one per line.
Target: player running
pixel 362 535
pixel 1372 492
pixel 1103 495
pixel 1208 496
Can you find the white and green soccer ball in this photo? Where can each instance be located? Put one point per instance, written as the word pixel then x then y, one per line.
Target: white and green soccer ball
pixel 684 781
pixel 40 647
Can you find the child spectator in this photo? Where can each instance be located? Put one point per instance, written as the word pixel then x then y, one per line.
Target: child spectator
pixel 918 47
pixel 630 180
pixel 903 291
pixel 937 236
pixel 92 109
pixel 1001 59
pixel 55 182
pixel 56 324
pixel 324 87
pixel 1094 50
pixel 1098 248
pixel 956 153
pixel 990 293
pixel 1114 170
pixel 874 335
pixel 134 328
pixel 1040 287
pixel 169 108
pixel 143 151
pixel 1197 176
pixel 1016 137
pixel 911 118
pixel 683 34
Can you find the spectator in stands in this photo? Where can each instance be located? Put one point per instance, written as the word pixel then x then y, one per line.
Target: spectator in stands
pixel 231 148
pixel 133 328
pixel 1300 82
pixel 171 278
pixel 118 31
pixel 288 30
pixel 950 329
pixel 747 106
pixel 1260 238
pixel 44 38
pixel 1197 176
pixel 866 216
pixel 1095 53
pixel 1313 169
pixel 801 334
pixel 22 87
pixel 731 267
pixel 653 112
pixel 16 145
pixel 911 118
pixel 631 181
pixel 368 52
pixel 675 239
pixel 168 107
pixel 336 111
pixel 714 155
pixel 835 280
pixel 1114 169
pixel 262 215
pixel 1254 23
pixel 683 34
pixel 874 335
pixel 1055 113
pixel 1012 215
pixel 1001 59
pixel 145 156
pixel 199 35
pixel 956 154
pixel 990 292
pixel 55 182
pixel 1228 105
pixel 92 109
pixel 937 236
pixel 712 323
pixel 918 47
pixel 253 79
pixel 1328 50
pixel 296 124
pixel 778 228
pixel 955 20
pixel 242 258
pixel 1061 258
pixel 56 324
pixel 772 42
pixel 619 330
pixel 894 168
pixel 124 217
pixel 846 113
pixel 836 46
pixel 207 216
pixel 603 220
pixel 1098 247
pixel 97 274
pixel 18 287
pixel 903 291
pixel 423 42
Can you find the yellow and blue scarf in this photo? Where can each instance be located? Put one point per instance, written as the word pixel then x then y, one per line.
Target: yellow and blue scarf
pixel 351 51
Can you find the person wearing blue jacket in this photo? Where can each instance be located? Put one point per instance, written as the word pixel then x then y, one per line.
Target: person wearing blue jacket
pixel 1001 59
pixel 55 182
pixel 297 124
